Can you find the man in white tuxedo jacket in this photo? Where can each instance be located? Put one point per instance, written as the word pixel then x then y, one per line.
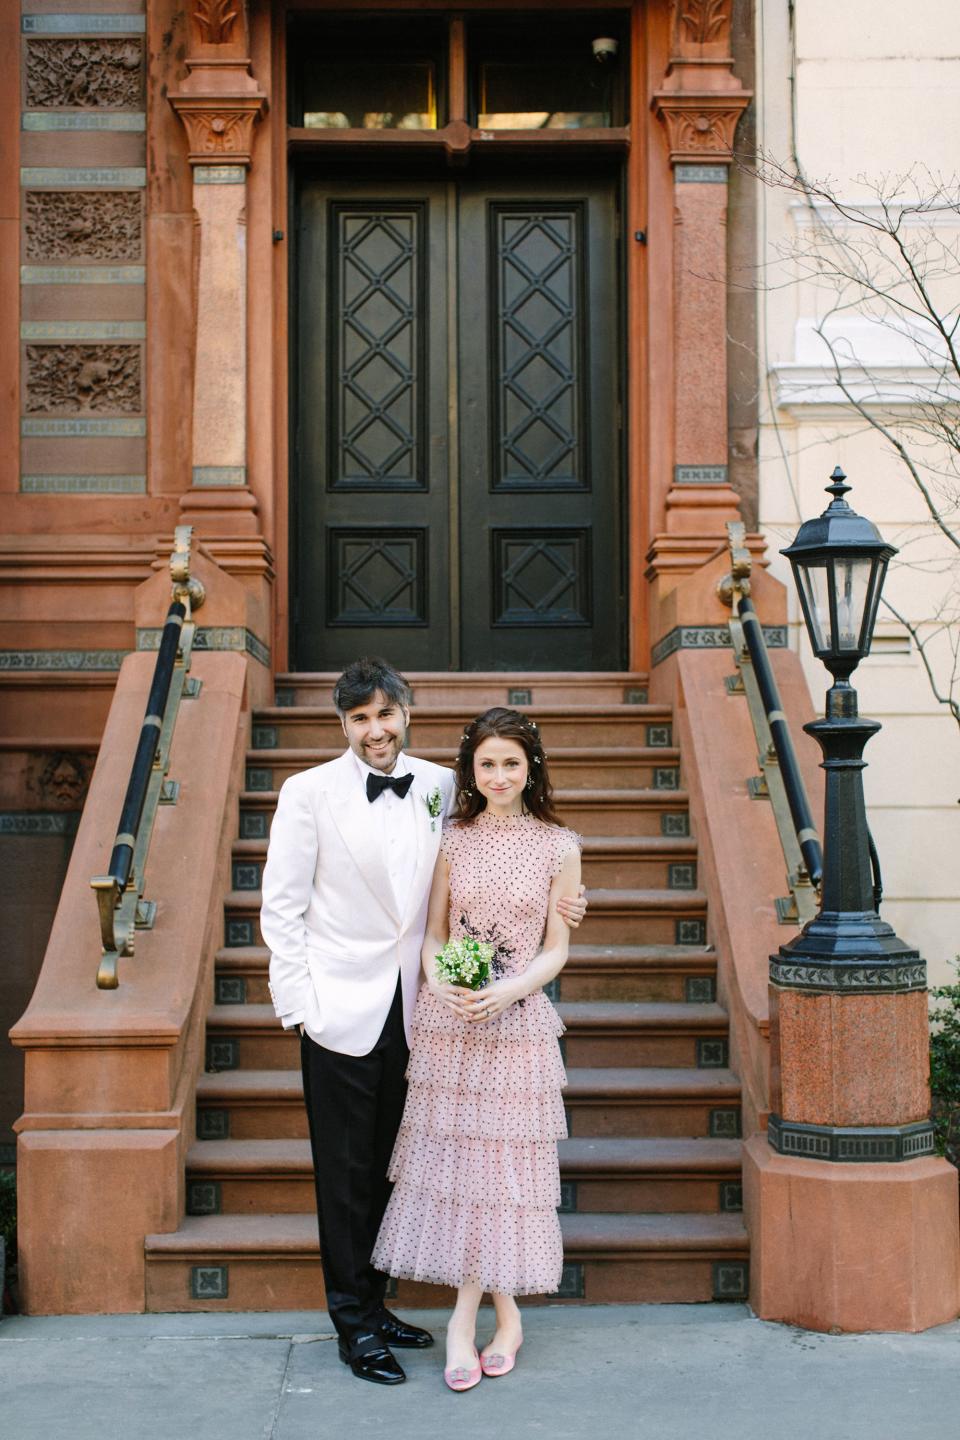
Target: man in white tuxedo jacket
pixel 345 889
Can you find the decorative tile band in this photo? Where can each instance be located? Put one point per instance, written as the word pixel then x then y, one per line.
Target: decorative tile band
pixel 205 476
pixel 128 120
pixel 75 428
pixel 864 979
pixel 39 822
pixel 699 474
pixel 219 175
pixel 700 174
pixel 83 330
pixel 83 24
pixel 851 1144
pixel 710 637
pixel 83 484
pixel 82 274
pixel 126 177
pixel 213 637
pixel 27 660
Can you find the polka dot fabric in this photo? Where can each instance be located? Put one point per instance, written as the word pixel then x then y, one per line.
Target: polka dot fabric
pixel 475 1164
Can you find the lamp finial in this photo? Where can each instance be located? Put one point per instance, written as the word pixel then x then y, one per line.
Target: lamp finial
pixel 838 487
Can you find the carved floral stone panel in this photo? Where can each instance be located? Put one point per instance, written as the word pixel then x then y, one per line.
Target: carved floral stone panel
pixel 83 379
pixel 104 74
pixel 83 225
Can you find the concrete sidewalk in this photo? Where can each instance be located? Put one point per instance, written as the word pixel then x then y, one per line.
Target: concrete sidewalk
pixel 671 1372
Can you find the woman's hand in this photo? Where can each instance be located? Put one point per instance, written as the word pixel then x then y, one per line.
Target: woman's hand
pixel 488 1003
pixel 573 907
pixel 455 997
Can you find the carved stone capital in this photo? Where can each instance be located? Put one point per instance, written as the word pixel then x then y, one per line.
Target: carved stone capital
pixel 701 27
pixel 219 128
pixel 700 127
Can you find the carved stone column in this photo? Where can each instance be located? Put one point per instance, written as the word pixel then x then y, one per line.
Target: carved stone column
pixel 700 102
pixel 219 104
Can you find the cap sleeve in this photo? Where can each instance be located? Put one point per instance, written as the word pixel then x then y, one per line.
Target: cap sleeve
pixel 565 842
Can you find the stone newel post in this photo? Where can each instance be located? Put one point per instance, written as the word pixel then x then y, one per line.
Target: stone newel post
pixel 219 104
pixel 699 102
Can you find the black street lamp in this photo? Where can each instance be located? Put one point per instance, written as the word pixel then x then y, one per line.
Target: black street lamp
pixel 839 561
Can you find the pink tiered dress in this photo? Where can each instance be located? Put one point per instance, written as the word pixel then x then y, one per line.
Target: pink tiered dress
pixel 477 1181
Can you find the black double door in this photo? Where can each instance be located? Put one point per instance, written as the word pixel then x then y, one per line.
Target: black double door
pixel 457 503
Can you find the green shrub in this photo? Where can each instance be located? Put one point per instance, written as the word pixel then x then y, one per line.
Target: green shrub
pixel 945 1067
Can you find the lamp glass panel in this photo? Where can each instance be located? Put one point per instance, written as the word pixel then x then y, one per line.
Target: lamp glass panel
pixel 814 586
pixel 873 601
pixel 851 582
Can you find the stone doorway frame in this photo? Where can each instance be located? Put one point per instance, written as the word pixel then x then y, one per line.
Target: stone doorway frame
pixel 685 102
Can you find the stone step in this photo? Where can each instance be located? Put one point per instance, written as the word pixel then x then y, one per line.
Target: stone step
pixel 598 1033
pixel 477 690
pixel 614 917
pixel 589 812
pixel 250 1177
pixel 635 767
pixel 282 727
pixel 611 972
pixel 609 1101
pixel 272 1262
pixel 609 861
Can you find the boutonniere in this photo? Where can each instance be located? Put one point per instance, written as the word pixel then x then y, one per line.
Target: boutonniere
pixel 434 804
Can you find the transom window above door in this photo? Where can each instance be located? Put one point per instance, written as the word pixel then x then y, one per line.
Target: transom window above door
pixel 494 75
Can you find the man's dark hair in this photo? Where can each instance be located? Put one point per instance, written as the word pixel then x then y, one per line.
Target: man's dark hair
pixel 365 676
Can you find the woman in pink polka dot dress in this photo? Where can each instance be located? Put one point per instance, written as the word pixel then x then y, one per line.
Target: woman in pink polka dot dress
pixel 475 1164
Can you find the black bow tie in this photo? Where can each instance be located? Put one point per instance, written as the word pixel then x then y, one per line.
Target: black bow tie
pixel 376 784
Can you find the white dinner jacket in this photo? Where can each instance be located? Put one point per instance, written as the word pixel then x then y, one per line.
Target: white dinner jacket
pixel 338 938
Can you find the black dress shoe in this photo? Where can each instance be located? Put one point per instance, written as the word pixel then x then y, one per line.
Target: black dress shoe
pixel 378 1366
pixel 397 1332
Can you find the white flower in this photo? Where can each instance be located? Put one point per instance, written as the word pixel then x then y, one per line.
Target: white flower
pixel 434 804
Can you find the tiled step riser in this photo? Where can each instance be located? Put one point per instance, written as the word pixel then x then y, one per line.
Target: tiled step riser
pixel 276 1049
pixel 272 1121
pixel 630 928
pixel 684 1052
pixel 637 928
pixel 659 772
pixel 604 872
pixel 251 989
pixel 430 731
pixel 696 1118
pixel 672 988
pixel 476 693
pixel 272 1283
pixel 656 1118
pixel 294 1195
pixel 661 813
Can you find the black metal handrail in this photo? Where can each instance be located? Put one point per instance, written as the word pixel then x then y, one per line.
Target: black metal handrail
pixel 121 860
pixel 119 892
pixel 793 785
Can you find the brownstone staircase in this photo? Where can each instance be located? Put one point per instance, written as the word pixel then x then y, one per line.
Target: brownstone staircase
pixel 651 1172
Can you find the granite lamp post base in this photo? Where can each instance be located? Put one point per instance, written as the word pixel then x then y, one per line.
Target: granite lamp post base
pixel 852 1247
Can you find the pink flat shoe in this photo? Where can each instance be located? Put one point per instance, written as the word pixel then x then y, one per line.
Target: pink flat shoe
pixel 460 1378
pixel 496 1364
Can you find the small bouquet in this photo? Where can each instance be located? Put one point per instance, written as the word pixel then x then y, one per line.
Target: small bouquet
pixel 465 962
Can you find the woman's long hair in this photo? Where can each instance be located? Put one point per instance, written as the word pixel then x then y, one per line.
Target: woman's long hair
pixel 504 724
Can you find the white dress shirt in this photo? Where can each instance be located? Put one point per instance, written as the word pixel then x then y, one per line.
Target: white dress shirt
pixel 397 828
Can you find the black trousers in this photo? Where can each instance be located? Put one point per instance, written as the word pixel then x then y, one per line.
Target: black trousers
pixel 354 1104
